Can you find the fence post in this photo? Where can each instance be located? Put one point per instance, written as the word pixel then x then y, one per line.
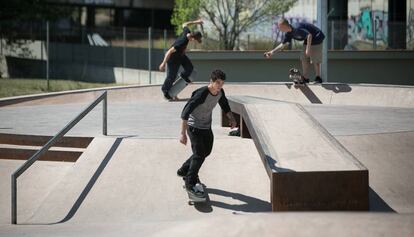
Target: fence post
pixel 13 199
pixel 105 114
pixel 165 40
pixel 47 55
pixel 149 52
pixel 123 53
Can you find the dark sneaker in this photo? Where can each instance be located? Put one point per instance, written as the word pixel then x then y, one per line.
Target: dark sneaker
pixel 167 97
pixel 318 79
pixel 181 172
pixel 304 80
pixel 195 193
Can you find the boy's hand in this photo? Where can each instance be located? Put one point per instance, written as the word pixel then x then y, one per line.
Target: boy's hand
pixel 268 54
pixel 162 67
pixel 199 21
pixel 183 139
pixel 307 53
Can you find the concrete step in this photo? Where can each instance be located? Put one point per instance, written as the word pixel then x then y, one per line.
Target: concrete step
pixel 17 152
pixel 37 140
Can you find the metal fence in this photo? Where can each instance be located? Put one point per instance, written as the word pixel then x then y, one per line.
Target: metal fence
pixel 132 55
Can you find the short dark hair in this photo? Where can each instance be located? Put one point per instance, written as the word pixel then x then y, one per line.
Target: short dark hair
pixel 284 21
pixel 218 74
pixel 197 36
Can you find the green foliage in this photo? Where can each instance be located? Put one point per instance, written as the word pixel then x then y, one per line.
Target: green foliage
pixel 229 18
pixel 184 10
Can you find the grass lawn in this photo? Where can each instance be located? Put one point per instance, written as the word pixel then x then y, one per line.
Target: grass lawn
pixel 16 87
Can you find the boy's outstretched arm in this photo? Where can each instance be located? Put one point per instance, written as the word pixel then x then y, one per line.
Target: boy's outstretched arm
pixel 199 21
pixel 280 47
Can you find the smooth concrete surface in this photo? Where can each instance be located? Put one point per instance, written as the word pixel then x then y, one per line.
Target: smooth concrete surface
pixel 383 140
pixel 33 186
pixel 113 193
pixel 360 120
pixel 390 160
pixel 137 177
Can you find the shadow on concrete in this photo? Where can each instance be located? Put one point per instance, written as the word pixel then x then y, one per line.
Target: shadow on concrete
pixel 337 88
pixel 377 204
pixel 306 91
pixel 310 95
pixel 250 204
pixel 92 181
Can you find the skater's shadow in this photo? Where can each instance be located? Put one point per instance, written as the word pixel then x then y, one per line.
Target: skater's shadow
pixel 248 203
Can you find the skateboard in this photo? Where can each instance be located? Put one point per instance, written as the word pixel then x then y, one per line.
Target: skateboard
pixel 192 200
pixel 296 77
pixel 180 84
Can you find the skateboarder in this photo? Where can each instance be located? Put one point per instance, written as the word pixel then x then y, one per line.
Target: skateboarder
pixel 196 122
pixel 175 57
pixel 312 51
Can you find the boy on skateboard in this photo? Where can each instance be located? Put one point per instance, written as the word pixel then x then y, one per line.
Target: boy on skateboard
pixel 175 57
pixel 196 122
pixel 312 51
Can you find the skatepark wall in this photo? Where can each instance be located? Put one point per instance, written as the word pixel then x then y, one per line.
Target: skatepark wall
pixel 377 67
pixel 105 64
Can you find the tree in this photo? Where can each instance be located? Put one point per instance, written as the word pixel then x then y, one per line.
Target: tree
pixel 184 10
pixel 230 18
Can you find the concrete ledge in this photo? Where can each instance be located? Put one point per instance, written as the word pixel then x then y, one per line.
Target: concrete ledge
pixel 308 168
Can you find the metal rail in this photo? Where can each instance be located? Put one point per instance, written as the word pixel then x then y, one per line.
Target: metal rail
pixel 103 97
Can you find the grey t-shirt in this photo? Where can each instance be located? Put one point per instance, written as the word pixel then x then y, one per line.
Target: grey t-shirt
pixel 198 110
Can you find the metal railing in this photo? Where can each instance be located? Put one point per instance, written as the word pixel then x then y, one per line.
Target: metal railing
pixel 103 97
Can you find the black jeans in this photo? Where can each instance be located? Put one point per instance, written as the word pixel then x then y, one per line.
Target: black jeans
pixel 172 69
pixel 201 144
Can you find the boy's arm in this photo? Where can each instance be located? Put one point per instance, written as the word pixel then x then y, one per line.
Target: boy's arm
pixel 183 137
pixel 186 24
pixel 166 58
pixel 308 46
pixel 224 104
pixel 280 47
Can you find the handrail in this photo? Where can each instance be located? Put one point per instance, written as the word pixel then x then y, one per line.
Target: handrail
pixel 103 97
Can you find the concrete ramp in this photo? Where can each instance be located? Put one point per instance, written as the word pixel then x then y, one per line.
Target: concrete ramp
pixel 309 169
pixel 124 180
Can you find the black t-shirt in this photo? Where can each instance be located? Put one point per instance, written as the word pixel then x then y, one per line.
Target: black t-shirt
pixel 181 42
pixel 300 31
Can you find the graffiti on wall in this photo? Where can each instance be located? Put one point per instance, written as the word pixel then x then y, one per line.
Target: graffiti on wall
pixel 368 26
pixel 410 29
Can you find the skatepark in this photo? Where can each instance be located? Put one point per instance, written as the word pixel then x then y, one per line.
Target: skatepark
pixel 125 182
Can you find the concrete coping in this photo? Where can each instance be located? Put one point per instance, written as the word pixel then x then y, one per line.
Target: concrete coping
pixel 304 176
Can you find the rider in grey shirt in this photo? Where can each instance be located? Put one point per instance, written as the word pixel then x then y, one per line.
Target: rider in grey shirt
pixel 196 121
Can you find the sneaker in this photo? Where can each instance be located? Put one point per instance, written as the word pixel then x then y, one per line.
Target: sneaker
pixel 318 79
pixel 195 192
pixel 181 172
pixel 167 97
pixel 304 80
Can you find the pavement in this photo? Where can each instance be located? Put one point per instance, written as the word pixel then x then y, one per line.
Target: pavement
pixel 125 183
